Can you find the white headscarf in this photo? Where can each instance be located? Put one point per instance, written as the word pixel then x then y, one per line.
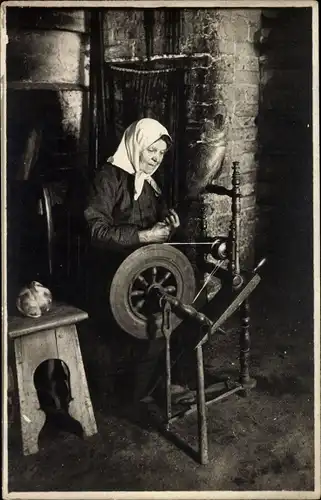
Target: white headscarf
pixel 137 137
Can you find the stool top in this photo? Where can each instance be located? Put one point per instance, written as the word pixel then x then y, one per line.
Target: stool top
pixel 59 315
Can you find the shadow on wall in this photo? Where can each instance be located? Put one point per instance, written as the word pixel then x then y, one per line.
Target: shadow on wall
pixel 284 192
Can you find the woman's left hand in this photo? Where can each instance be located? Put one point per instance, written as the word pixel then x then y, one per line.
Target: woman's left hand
pixel 172 219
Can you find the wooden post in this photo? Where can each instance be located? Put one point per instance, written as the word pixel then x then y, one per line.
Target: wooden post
pixel 94 112
pixel 167 330
pixel 201 408
pixel 245 379
pixel 235 224
pixel 168 384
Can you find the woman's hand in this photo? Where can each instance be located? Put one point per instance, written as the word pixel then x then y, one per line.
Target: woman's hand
pixel 172 219
pixel 159 233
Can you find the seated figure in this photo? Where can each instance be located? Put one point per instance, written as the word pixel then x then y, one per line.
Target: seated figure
pixel 125 210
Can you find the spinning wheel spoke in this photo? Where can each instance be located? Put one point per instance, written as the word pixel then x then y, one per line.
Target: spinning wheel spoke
pixel 167 275
pixel 137 293
pixel 140 296
pixel 142 280
pixel 140 304
pixel 154 274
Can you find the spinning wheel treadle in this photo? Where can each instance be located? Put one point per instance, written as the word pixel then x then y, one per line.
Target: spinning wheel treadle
pixel 149 266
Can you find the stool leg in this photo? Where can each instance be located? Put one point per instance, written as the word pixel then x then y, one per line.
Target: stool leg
pixel 31 416
pixel 11 398
pixel 80 407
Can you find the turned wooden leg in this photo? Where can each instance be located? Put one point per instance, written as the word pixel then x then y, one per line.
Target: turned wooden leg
pixel 168 384
pixel 201 408
pixel 245 379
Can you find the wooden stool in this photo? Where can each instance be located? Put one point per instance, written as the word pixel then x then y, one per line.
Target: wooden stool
pixel 52 336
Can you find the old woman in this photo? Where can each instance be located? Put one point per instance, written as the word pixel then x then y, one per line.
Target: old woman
pixel 126 209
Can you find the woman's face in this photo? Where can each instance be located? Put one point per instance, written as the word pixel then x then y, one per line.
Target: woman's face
pixel 152 156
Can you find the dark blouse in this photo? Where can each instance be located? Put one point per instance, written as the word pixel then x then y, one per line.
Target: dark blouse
pixel 113 216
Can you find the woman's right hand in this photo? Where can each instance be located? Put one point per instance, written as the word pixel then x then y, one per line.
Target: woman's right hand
pixel 159 233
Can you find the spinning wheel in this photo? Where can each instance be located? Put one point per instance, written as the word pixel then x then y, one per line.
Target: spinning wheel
pixel 131 295
pixel 159 279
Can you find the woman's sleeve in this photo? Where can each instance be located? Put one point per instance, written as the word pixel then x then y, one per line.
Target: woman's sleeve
pixel 103 196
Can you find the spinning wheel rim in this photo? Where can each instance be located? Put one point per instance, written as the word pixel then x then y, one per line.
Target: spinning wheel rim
pixel 141 260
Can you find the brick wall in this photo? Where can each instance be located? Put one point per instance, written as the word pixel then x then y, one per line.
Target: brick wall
pixel 228 83
pixel 235 84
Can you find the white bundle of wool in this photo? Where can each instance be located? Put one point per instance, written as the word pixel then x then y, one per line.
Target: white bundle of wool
pixel 33 300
